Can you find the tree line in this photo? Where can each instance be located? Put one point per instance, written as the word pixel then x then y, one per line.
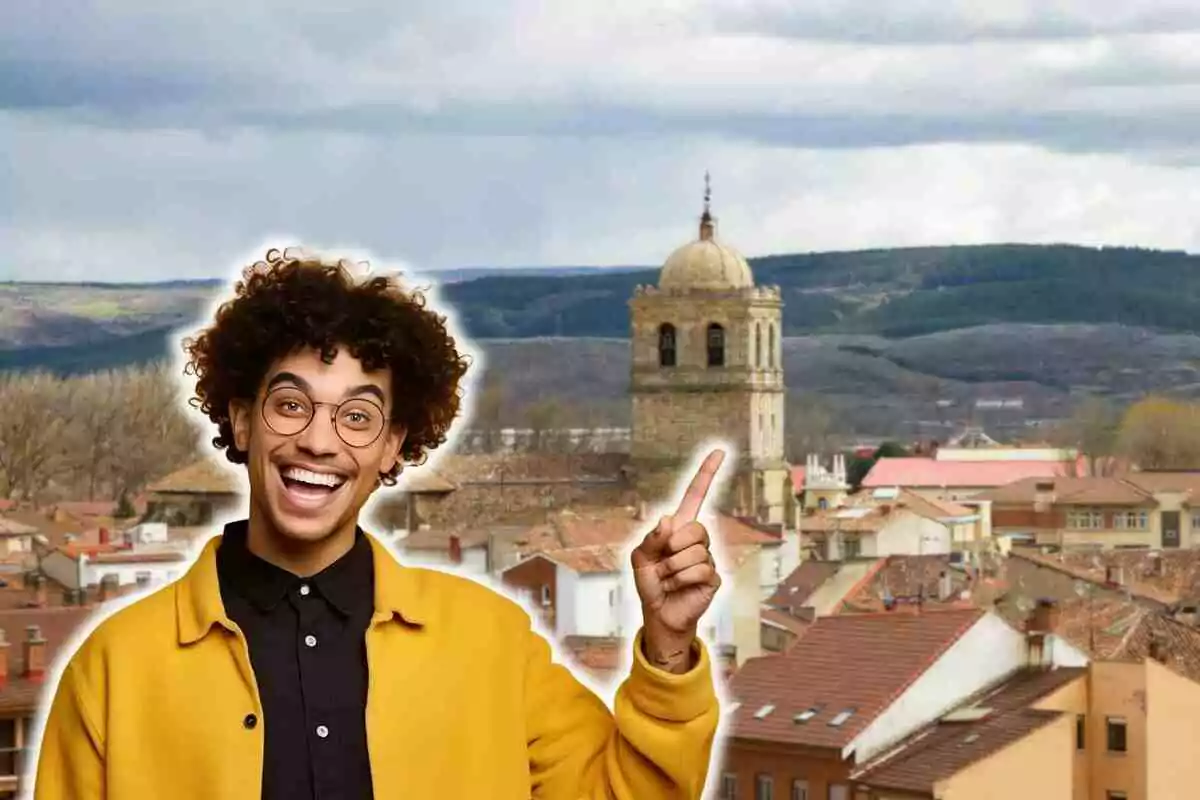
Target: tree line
pixel 103 435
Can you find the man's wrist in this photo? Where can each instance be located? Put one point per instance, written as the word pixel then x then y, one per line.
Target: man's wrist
pixel 670 651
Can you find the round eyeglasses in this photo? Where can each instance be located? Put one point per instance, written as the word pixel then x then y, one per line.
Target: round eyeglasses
pixel 289 411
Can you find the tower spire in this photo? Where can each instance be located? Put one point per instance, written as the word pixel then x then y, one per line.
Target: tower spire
pixel 707 224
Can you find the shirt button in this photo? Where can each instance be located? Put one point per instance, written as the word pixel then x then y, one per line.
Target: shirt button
pixel 322 731
pixel 304 590
pixel 249 721
pixel 310 640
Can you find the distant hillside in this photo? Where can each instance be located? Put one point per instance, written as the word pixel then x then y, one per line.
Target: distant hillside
pixel 894 294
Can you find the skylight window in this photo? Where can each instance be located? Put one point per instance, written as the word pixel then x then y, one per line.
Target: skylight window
pixel 806 715
pixel 763 712
pixel 841 718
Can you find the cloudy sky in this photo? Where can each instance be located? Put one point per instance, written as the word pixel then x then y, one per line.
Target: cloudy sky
pixel 147 140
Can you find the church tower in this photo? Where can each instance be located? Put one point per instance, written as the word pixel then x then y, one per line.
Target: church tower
pixel 707 363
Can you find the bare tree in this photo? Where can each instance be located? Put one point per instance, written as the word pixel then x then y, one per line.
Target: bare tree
pixel 810 425
pixel 545 418
pixel 156 434
pixel 95 409
pixel 34 421
pixel 1093 430
pixel 1160 433
pixel 488 414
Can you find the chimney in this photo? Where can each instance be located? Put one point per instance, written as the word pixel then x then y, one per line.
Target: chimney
pixel 1044 618
pixel 4 645
pixel 640 513
pixel 455 549
pixel 1043 496
pixel 945 585
pixel 35 653
pixel 1158 647
pixel 40 590
pixel 105 537
pixel 110 587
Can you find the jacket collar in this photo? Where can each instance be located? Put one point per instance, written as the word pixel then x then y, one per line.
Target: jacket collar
pixel 198 604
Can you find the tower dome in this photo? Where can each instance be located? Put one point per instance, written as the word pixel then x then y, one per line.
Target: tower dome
pixel 706 263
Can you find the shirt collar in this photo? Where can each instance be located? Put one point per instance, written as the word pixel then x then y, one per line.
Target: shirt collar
pixel 345 584
pixel 399 591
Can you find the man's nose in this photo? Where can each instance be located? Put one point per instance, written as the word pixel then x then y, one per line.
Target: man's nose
pixel 320 437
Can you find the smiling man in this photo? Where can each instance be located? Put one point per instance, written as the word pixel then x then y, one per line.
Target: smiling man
pixel 298 659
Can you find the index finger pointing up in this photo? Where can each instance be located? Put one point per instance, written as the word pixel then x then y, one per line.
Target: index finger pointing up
pixel 693 498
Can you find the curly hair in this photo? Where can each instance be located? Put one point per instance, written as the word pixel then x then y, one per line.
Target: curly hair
pixel 292 301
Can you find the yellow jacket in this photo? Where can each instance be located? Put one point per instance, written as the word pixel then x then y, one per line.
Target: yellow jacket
pixel 464 702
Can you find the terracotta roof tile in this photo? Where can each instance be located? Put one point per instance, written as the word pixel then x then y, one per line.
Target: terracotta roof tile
pixel 781 619
pixel 206 476
pixel 930 473
pixel 794 590
pixel 902 581
pixel 599 655
pixel 887 652
pixel 947 747
pixel 19 694
pixel 1071 491
pixel 588 559
pixel 1185 482
pixel 1167 576
pixel 496 467
pixel 424 480
pixel 12 527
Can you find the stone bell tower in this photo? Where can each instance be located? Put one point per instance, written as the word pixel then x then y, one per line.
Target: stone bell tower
pixel 707 363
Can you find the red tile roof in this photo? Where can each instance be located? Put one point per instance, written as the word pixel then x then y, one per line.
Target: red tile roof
pixel 589 559
pixel 206 476
pixel 930 473
pixel 1070 491
pixel 598 655
pixel 908 580
pixel 947 747
pixel 781 619
pixel 1179 579
pixel 858 663
pixel 794 590
pixel 19 694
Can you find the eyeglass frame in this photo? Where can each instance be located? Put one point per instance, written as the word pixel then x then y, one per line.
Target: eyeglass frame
pixel 332 415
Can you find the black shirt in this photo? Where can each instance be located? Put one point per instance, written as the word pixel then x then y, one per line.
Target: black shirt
pixel 307 641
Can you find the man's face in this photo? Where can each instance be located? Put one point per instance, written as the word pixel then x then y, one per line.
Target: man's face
pixel 317 437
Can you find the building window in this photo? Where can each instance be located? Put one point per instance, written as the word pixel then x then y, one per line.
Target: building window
pixel 545 594
pixel 1132 520
pixel 1116 735
pixel 758 345
pixel 716 345
pixel 764 787
pixel 1080 731
pixel 839 791
pixel 822 503
pixel 1085 519
pixel 1112 795
pixel 729 786
pixel 851 548
pixel 666 345
pixel 771 347
pixel 1196 520
pixel 799 789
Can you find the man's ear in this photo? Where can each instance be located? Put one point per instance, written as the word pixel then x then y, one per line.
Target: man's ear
pixel 239 420
pixel 392 442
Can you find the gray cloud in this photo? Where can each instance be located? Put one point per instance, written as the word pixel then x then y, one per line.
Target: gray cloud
pixel 156 140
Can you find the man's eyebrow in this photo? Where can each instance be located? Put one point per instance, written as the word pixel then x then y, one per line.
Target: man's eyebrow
pixel 366 388
pixel 289 377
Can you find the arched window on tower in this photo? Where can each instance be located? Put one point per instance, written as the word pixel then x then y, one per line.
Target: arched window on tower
pixel 716 345
pixel 758 345
pixel 771 346
pixel 666 345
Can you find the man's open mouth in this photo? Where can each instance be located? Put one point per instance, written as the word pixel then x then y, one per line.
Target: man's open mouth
pixel 305 484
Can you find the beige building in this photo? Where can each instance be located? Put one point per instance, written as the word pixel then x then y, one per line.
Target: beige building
pixel 707 363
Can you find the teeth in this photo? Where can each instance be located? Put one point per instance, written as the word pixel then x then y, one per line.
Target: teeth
pixel 314 478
